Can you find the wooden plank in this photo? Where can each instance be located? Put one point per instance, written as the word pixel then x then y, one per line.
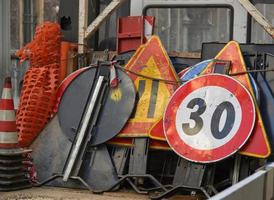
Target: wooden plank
pixel 39 11
pixel 93 27
pixel 83 21
pixel 255 13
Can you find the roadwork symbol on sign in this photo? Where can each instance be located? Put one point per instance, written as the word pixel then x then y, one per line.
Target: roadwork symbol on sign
pixel 258 144
pixel 150 60
pixel 209 118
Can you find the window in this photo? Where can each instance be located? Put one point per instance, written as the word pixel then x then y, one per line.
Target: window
pixel 50 10
pixel 258 34
pixel 185 29
pixel 24 19
pixel 107 31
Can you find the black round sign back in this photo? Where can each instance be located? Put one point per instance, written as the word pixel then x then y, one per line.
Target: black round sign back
pixel 114 114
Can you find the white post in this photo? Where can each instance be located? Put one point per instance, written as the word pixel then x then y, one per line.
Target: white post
pixel 83 21
pixel 93 27
pixel 255 13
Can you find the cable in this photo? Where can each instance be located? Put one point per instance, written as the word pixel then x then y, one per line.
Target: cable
pixel 141 75
pixel 251 71
pixel 180 81
pixel 149 77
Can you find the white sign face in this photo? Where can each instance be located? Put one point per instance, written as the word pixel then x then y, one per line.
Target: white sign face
pixel 208 117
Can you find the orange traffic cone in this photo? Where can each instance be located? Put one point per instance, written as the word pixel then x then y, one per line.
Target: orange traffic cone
pixel 8 132
pixel 13 174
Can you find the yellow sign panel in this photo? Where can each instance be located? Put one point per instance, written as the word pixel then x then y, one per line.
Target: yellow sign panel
pixel 153 95
pixel 151 60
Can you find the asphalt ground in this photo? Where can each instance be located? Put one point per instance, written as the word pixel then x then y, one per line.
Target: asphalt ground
pixel 53 193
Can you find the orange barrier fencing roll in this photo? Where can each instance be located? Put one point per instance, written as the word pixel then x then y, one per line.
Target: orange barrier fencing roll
pixel 38 95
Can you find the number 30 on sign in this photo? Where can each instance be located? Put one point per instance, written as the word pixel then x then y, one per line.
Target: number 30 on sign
pixel 209 118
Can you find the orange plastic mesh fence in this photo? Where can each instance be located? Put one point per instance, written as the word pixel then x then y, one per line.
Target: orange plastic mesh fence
pixel 38 95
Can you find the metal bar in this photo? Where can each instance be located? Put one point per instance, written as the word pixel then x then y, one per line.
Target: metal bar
pixel 269 182
pixel 145 176
pixel 255 13
pixel 83 22
pixel 177 189
pixel 120 157
pixel 236 169
pixel 168 29
pixel 27 21
pixel 92 124
pixel 93 27
pixel 251 188
pixel 83 128
pixel 138 156
pixel 135 188
pixel 178 36
pixel 4 39
pixel 188 174
pixel 21 24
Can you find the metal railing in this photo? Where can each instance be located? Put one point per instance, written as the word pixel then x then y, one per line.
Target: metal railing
pixel 258 186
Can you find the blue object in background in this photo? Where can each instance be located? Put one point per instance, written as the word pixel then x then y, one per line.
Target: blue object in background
pixel 255 88
pixel 195 70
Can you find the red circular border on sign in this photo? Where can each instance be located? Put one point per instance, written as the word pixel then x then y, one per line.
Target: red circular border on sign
pixel 234 144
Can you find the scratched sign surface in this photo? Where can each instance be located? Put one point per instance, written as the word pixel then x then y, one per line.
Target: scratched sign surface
pixel 150 60
pixel 258 144
pixel 209 118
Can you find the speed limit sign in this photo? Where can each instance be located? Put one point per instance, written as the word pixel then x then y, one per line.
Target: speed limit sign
pixel 209 118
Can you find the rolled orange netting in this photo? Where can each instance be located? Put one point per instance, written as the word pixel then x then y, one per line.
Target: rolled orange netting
pixel 38 95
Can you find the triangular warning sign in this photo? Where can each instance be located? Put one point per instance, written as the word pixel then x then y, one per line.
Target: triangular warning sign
pixel 157 131
pixel 257 145
pixel 150 60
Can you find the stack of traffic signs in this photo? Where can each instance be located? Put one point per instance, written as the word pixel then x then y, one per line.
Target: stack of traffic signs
pixel 187 129
pixel 13 173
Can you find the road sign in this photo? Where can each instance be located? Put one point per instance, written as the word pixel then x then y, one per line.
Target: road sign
pixel 181 73
pixel 148 26
pixel 209 118
pixel 117 108
pixel 150 60
pixel 63 86
pixel 195 70
pixel 258 145
pixel 157 131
